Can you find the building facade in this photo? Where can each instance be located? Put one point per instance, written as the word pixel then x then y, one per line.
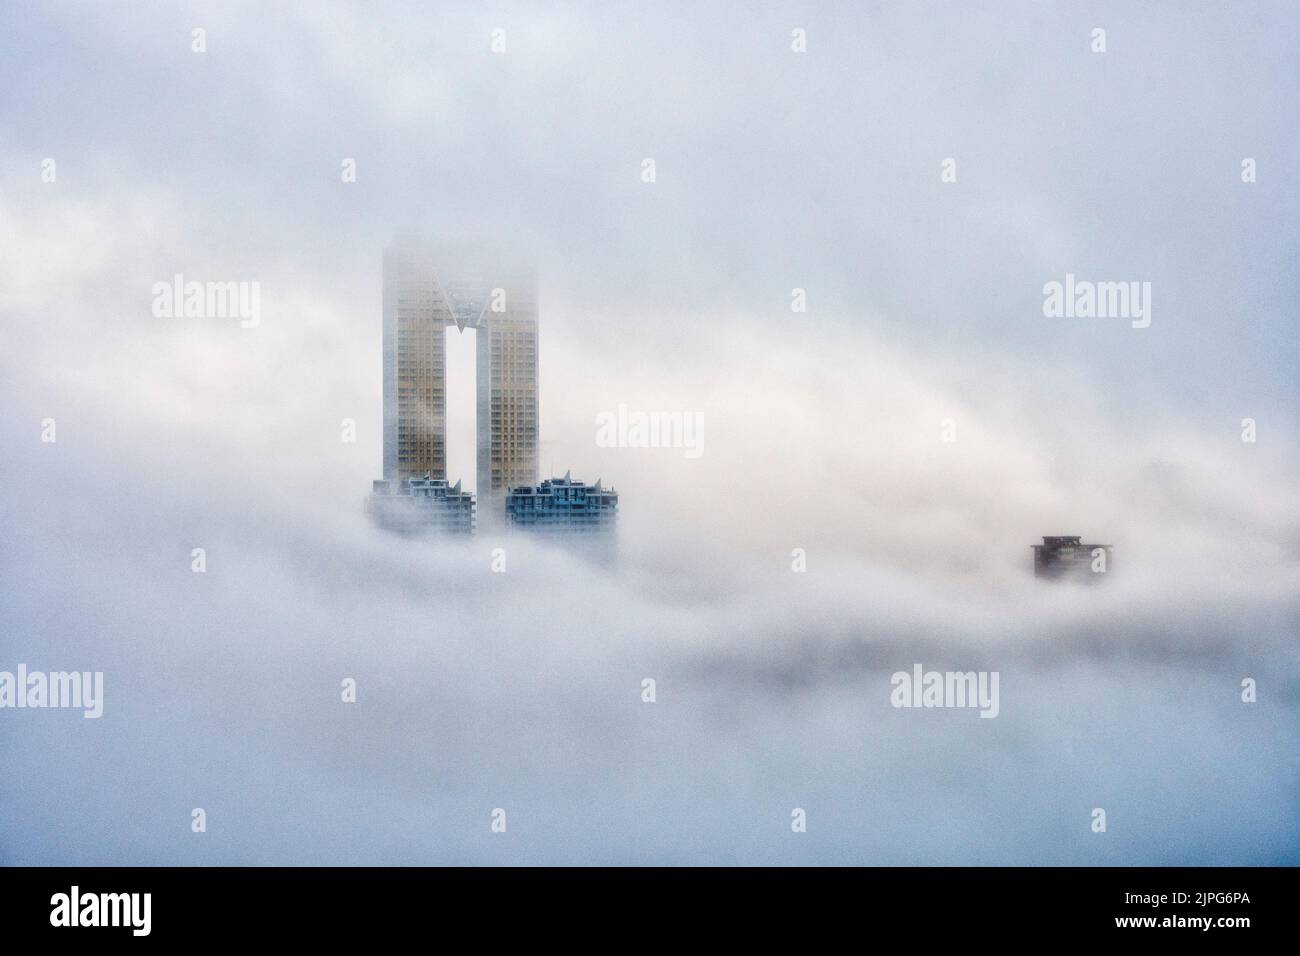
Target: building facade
pixel 424 294
pixel 1067 556
pixel 415 505
pixel 563 506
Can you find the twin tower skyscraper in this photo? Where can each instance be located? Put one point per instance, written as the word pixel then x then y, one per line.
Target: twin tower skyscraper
pixel 425 292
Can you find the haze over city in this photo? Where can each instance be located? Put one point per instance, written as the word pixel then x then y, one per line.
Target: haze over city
pixel 823 432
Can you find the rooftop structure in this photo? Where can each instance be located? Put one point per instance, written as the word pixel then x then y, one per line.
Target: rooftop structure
pixel 563 505
pixel 1067 556
pixel 418 505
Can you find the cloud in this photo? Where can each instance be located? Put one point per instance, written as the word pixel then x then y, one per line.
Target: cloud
pixel 822 431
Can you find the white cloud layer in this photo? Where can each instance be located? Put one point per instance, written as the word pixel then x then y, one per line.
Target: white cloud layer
pixel 822 431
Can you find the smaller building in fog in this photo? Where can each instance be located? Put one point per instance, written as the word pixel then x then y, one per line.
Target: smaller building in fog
pixel 562 505
pixel 419 505
pixel 1061 556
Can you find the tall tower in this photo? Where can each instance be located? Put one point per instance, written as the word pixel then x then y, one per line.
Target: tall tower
pixel 424 294
pixel 507 394
pixel 415 368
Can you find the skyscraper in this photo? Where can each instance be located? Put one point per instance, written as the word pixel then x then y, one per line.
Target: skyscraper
pixel 564 506
pixel 424 294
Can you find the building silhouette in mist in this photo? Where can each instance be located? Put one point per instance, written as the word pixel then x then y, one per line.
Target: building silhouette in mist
pixel 562 506
pixel 425 293
pixel 421 504
pixel 1066 556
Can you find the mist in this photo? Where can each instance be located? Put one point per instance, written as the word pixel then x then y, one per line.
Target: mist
pixel 872 470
